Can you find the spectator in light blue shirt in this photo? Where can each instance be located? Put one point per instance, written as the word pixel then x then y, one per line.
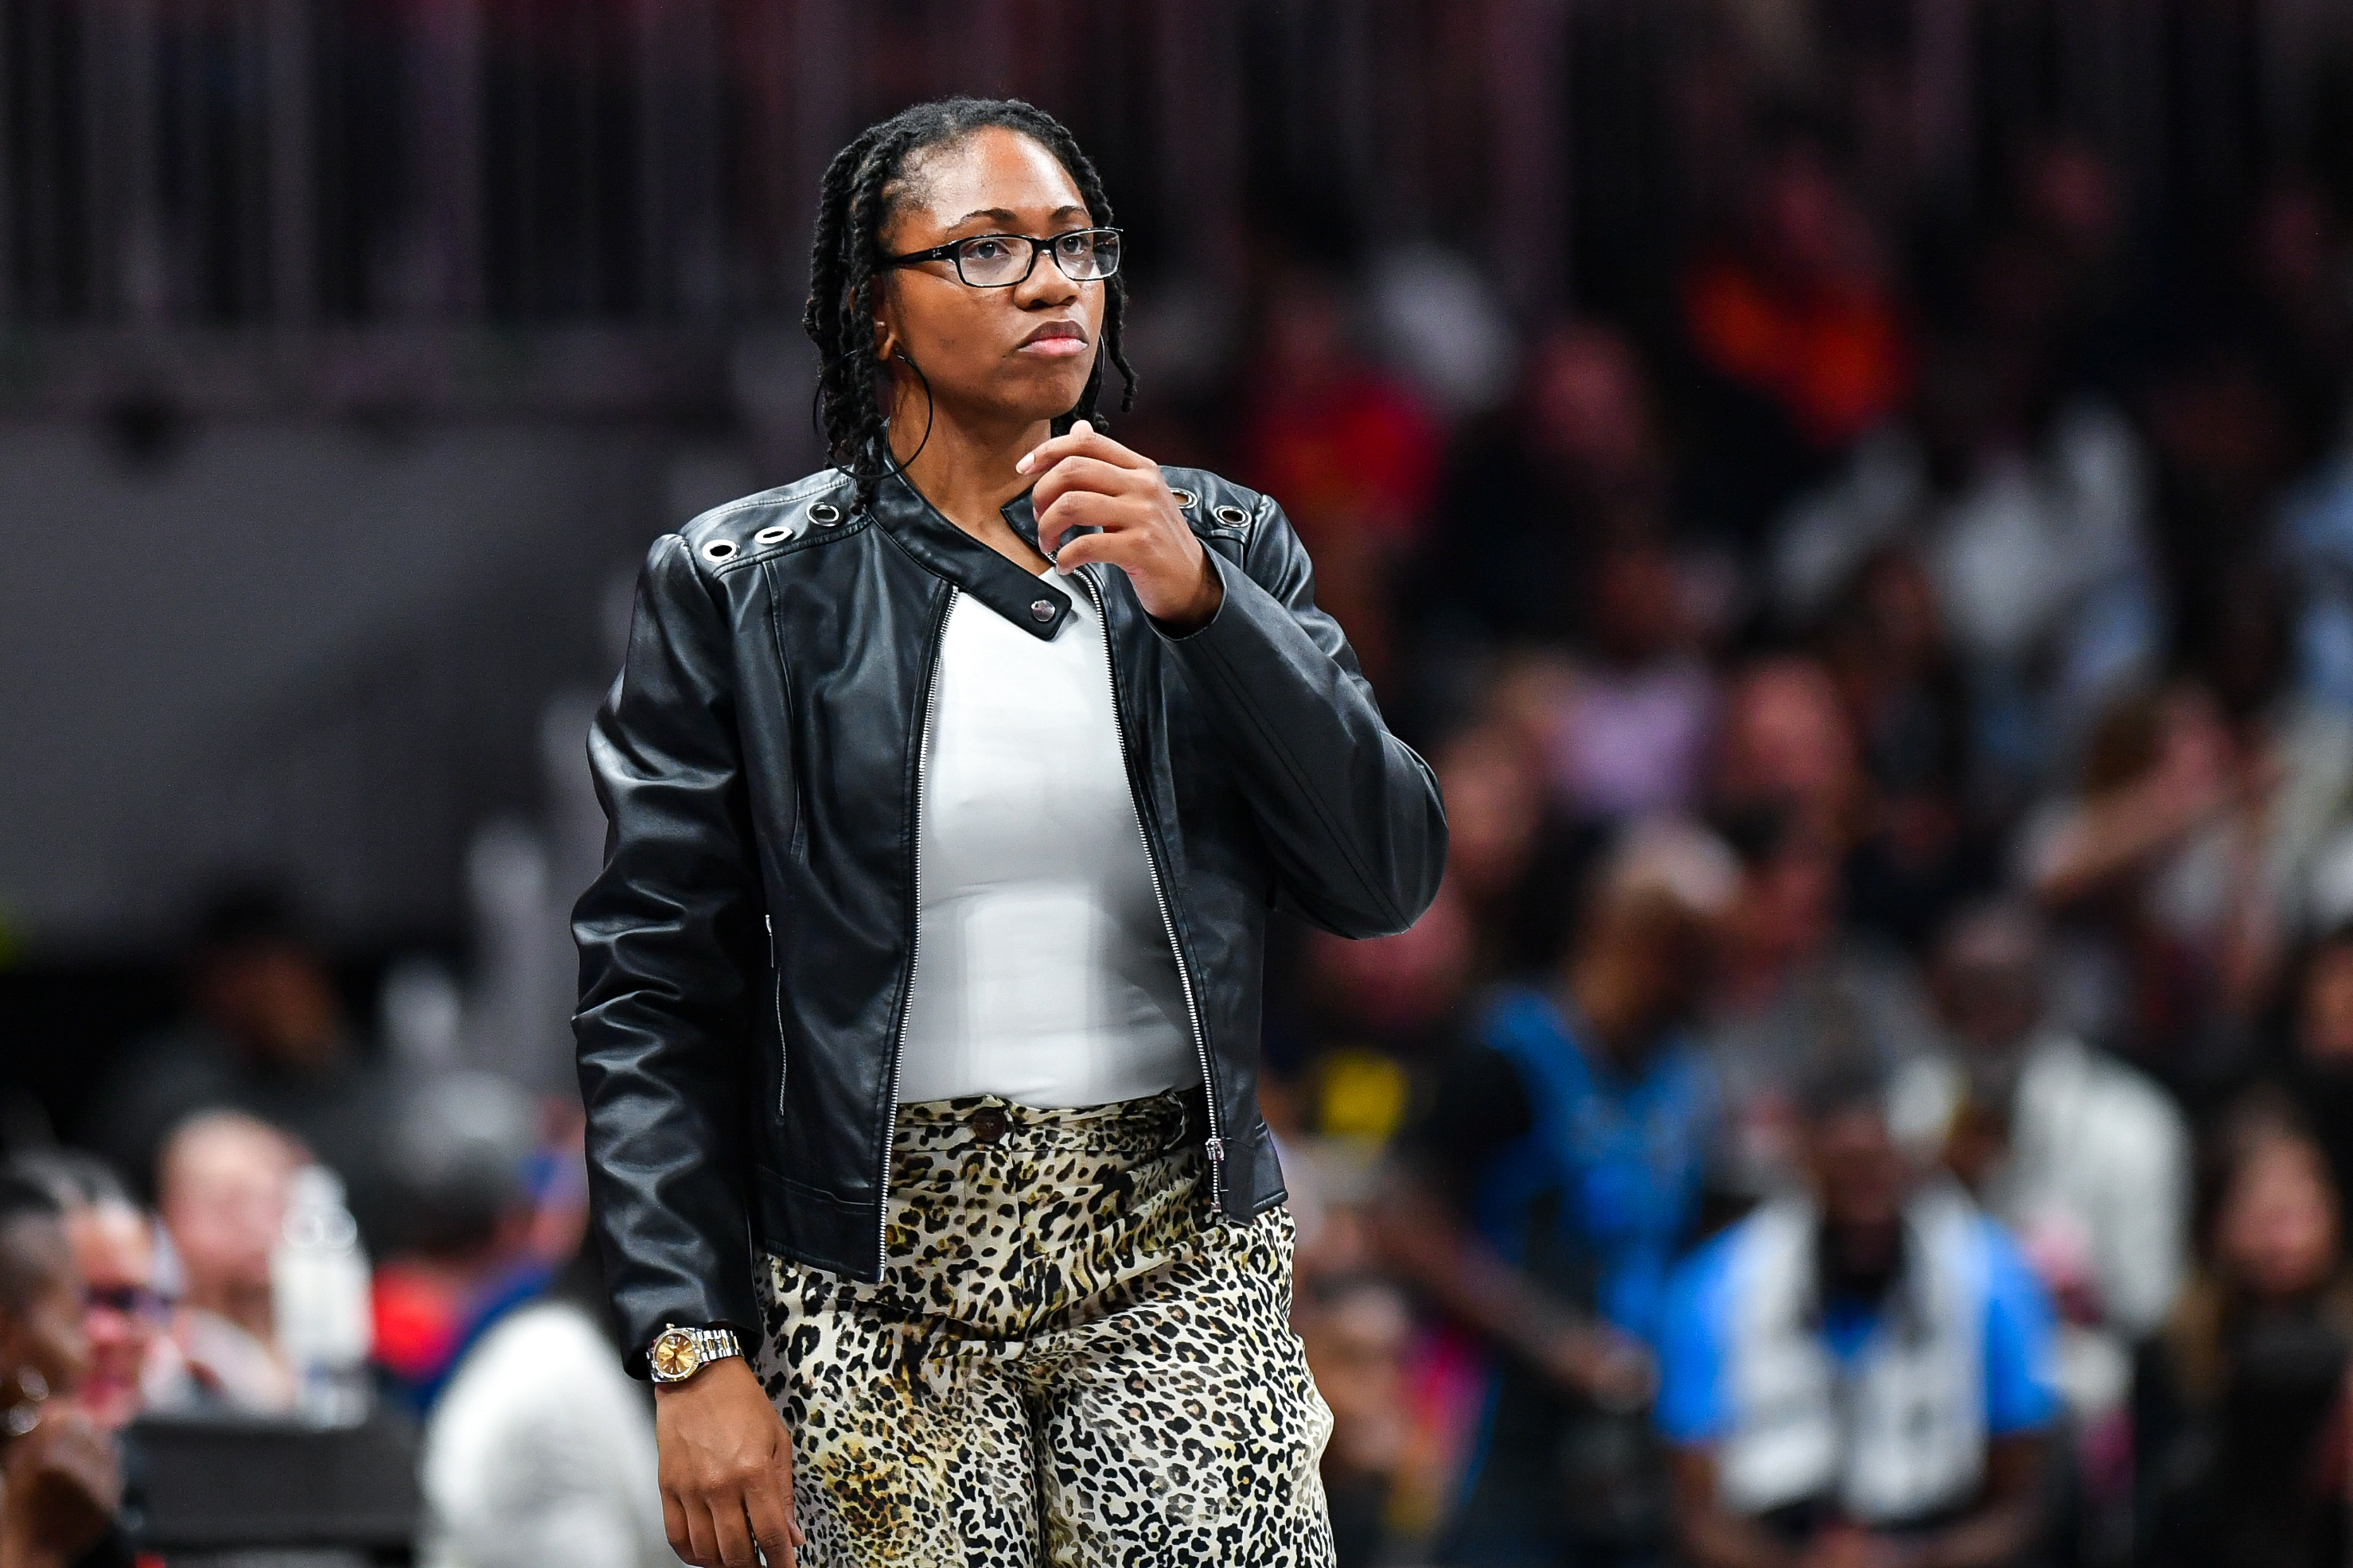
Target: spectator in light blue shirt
pixel 1544 1197
pixel 1858 1375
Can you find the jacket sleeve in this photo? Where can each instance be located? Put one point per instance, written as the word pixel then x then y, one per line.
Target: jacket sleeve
pixel 1350 814
pixel 667 933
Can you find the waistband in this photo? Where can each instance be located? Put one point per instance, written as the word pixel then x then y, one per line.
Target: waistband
pixel 1156 1123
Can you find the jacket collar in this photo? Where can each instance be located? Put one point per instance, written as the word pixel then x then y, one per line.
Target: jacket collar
pixel 1036 606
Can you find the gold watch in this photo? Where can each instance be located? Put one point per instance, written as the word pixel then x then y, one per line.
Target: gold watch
pixel 679 1354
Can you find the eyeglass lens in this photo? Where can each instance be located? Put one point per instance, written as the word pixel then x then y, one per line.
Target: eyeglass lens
pixel 1085 255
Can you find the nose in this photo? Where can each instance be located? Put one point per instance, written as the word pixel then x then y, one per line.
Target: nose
pixel 1045 287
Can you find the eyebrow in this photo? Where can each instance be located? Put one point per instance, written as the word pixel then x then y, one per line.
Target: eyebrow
pixel 1001 216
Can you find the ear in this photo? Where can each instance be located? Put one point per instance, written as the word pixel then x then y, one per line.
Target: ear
pixel 886 334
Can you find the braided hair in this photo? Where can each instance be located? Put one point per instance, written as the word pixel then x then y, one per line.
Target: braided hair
pixel 863 188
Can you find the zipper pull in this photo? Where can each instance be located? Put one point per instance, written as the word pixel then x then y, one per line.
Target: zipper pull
pixel 1217 1147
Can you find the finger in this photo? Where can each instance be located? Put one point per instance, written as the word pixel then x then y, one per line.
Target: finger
pixel 771 1510
pixel 1082 472
pixel 1088 547
pixel 701 1539
pixel 734 1531
pixel 681 1540
pixel 1080 509
pixel 1084 439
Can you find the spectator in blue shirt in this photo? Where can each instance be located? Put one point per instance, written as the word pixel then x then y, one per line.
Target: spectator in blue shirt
pixel 1544 1197
pixel 1858 1375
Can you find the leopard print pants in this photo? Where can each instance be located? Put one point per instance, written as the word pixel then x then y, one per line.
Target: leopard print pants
pixel 1067 1361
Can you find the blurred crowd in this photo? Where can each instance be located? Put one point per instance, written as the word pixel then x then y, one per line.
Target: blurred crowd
pixel 1876 1086
pixel 282 1228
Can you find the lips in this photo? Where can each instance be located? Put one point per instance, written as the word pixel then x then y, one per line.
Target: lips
pixel 1055 338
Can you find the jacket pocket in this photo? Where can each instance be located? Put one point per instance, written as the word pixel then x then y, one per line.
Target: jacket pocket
pixel 799 770
pixel 777 998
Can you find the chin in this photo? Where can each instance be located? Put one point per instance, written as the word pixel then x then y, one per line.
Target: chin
pixel 1046 392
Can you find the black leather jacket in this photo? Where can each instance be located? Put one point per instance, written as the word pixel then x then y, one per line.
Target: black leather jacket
pixel 746 954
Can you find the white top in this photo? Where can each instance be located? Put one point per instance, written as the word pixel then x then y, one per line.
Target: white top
pixel 540 1452
pixel 1043 973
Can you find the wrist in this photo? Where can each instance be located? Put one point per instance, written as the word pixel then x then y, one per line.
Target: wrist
pixel 1209 593
pixel 680 1352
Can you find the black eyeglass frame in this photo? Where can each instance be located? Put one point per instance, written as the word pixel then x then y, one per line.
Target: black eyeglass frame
pixel 948 252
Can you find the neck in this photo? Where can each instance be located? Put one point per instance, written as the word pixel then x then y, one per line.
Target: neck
pixel 245 1305
pixel 964 467
pixel 1620 1026
pixel 1860 1261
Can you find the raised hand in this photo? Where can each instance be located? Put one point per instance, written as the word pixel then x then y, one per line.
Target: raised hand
pixel 1086 480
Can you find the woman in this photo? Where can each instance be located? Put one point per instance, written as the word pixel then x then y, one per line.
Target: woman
pixel 2247 1411
pixel 58 1484
pixel 949 789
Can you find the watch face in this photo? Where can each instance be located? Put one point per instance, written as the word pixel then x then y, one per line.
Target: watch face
pixel 674 1356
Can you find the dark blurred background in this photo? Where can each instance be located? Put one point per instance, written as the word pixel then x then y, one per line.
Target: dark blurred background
pixel 1903 440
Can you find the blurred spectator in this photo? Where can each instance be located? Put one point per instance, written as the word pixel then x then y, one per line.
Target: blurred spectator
pixel 2299 314
pixel 2030 523
pixel 1355 1328
pixel 1350 452
pixel 2163 858
pixel 1623 729
pixel 2316 541
pixel 2317 1069
pixel 1572 462
pixel 266 1035
pixel 538 1450
pixel 1497 830
pixel 1542 1197
pixel 1908 707
pixel 59 1484
pixel 1797 319
pixel 2249 1407
pixel 1786 747
pixel 1861 1375
pixel 222 1182
pixel 114 1252
pixel 2084 1159
pixel 1794 987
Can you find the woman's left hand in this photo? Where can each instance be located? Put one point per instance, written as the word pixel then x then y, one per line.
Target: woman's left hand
pixel 1087 479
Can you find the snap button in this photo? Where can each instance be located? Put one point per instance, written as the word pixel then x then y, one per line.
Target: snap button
pixel 987 1124
pixel 1231 516
pixel 825 514
pixel 1041 610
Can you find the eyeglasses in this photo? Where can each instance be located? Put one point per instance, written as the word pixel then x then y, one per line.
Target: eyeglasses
pixel 127 1300
pixel 998 261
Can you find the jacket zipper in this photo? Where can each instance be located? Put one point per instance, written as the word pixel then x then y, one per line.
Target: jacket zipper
pixel 915 932
pixel 1215 1145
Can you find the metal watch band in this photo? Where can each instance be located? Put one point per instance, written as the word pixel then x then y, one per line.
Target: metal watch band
pixel 704 1345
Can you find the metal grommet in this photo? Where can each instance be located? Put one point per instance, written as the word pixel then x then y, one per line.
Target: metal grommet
pixel 1186 497
pixel 1041 610
pixel 825 514
pixel 1231 516
pixel 772 535
pixel 720 548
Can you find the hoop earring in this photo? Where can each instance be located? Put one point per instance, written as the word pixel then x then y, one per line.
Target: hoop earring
pixel 930 410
